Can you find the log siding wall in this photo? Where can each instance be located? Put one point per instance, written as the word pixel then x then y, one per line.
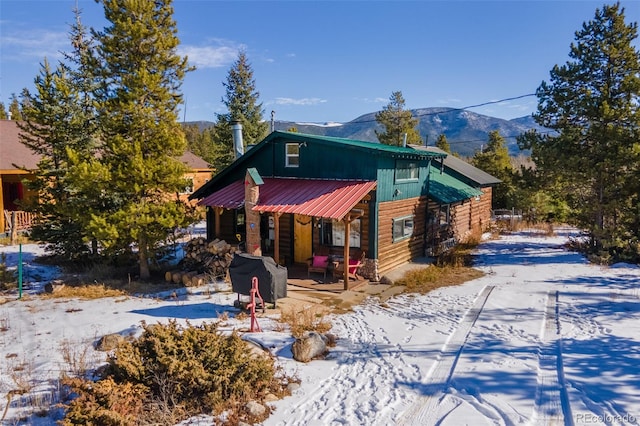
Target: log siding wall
pixel 393 254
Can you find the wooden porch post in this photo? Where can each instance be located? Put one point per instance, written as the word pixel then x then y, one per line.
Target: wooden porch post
pixel 347 233
pixel 217 211
pixel 276 232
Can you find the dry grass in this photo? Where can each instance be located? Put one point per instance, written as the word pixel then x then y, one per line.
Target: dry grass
pixel 451 268
pixel 310 318
pixel 89 292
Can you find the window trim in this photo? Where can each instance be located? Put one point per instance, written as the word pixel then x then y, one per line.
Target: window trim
pixel 403 220
pixel 328 224
pixel 409 170
pixel 288 157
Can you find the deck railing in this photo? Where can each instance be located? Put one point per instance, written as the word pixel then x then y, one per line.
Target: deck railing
pixel 22 219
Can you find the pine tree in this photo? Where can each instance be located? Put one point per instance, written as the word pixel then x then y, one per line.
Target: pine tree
pixel 443 144
pixel 15 111
pixel 137 105
pixel 3 112
pixel 242 103
pixel 59 123
pixel 593 104
pixel 397 122
pixel 494 159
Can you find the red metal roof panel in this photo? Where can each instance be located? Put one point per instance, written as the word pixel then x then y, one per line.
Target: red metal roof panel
pixel 331 199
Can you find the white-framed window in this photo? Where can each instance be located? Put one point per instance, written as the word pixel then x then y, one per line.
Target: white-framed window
pixel 406 171
pixel 292 155
pixel 332 233
pixel 402 228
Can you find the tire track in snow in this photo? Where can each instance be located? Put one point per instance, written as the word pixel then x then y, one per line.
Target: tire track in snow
pixel 425 410
pixel 552 401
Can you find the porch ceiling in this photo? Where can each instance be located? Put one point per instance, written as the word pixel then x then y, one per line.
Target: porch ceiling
pixel 331 199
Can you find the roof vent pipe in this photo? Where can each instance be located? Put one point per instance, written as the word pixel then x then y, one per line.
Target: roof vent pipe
pixel 238 146
pixel 404 141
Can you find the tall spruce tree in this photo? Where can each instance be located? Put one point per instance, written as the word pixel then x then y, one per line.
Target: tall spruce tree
pixel 242 102
pixel 3 112
pixel 55 124
pixel 59 123
pixel 137 105
pixel 397 122
pixel 593 104
pixel 494 159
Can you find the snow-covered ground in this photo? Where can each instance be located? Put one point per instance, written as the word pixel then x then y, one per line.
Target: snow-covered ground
pixel 544 338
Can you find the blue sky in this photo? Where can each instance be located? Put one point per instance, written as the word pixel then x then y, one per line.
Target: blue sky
pixel 332 61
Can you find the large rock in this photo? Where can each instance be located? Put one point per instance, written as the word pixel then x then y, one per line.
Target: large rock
pixel 109 342
pixel 311 345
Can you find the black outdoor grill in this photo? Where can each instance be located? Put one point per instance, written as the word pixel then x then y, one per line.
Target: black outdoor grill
pixel 272 278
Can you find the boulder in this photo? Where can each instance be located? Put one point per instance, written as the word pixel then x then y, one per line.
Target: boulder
pixel 255 409
pixel 311 345
pixel 109 342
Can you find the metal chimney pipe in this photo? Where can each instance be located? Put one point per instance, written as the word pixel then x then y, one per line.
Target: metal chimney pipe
pixel 404 141
pixel 238 146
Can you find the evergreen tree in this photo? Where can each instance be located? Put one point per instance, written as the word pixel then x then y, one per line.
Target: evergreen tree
pixel 494 159
pixel 443 144
pixel 397 122
pixel 592 103
pixel 137 104
pixel 242 102
pixel 3 112
pixel 59 121
pixel 14 108
pixel 201 142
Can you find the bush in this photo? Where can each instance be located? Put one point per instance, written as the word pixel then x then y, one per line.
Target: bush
pixel 181 372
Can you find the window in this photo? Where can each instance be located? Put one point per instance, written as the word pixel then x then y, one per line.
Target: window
pixel 406 171
pixel 445 215
pixel 332 233
pixel 292 155
pixel 402 228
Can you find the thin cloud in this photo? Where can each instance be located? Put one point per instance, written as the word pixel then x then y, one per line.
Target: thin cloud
pixel 450 101
pixel 218 56
pixel 299 102
pixel 35 44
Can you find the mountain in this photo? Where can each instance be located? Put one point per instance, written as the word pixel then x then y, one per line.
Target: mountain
pixel 466 131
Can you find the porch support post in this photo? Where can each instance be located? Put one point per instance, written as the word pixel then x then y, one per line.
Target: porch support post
pixel 217 212
pixel 347 233
pixel 276 231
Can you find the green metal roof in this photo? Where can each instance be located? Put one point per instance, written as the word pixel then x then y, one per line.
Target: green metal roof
pixel 446 189
pixel 369 146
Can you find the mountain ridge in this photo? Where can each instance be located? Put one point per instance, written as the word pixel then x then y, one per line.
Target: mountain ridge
pixel 466 131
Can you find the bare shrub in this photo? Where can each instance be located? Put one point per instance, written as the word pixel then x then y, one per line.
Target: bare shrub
pixel 308 319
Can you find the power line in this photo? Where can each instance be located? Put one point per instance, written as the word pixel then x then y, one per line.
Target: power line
pixel 448 110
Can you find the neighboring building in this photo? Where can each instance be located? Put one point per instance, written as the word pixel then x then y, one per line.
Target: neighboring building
pixel 314 193
pixel 453 218
pixel 17 161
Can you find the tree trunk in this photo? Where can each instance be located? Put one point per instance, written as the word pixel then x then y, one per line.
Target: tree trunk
pixel 143 257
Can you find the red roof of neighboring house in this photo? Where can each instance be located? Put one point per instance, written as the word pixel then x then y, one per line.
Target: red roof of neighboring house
pixel 331 199
pixel 12 152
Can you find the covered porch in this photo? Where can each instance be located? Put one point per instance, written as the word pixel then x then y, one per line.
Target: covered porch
pixel 293 219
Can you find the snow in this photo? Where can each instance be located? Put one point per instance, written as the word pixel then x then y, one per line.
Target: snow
pixel 543 338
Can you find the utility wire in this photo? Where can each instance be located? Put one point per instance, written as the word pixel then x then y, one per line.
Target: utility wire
pixel 448 110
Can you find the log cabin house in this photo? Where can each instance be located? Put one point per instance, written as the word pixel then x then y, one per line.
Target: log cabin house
pixel 306 194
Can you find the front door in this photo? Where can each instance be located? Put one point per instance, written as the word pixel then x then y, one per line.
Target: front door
pixel 301 238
